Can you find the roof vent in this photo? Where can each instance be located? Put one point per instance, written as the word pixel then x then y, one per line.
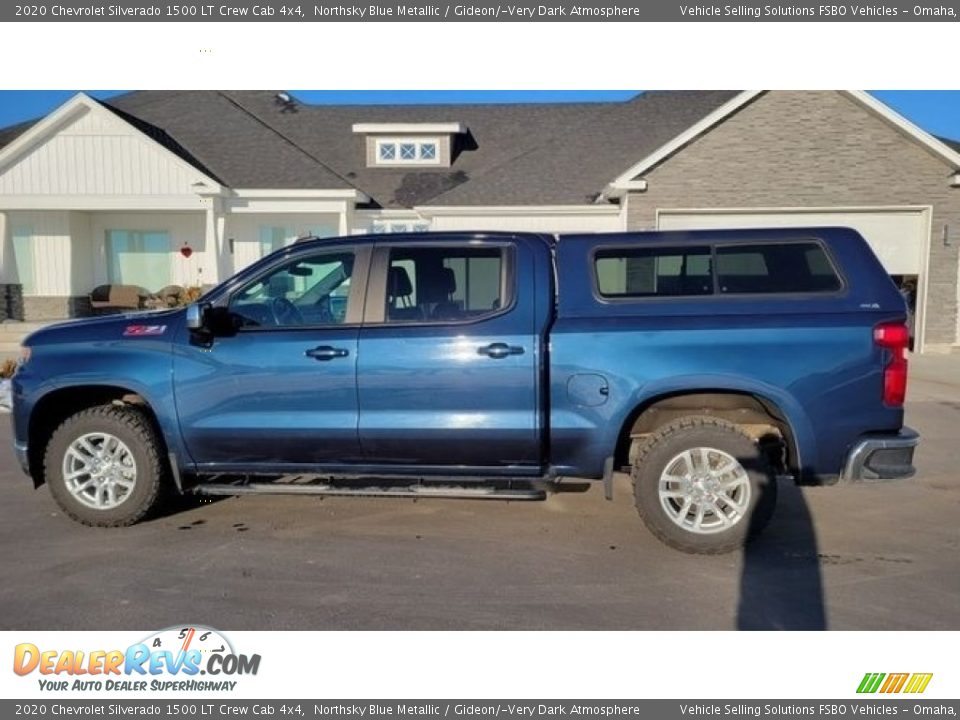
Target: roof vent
pixel 285 101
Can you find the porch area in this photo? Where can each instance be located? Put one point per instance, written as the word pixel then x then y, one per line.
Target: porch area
pixel 57 264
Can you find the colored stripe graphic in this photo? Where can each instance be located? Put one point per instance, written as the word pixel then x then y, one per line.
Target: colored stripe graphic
pixel 870 682
pixel 894 683
pixel 918 682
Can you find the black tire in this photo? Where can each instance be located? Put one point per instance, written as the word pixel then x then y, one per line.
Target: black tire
pixel 662 447
pixel 135 430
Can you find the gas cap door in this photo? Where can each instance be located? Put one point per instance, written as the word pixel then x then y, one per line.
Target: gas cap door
pixel 587 389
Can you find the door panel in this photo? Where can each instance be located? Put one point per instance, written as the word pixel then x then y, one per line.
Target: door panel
pixel 448 367
pixel 259 398
pixel 278 385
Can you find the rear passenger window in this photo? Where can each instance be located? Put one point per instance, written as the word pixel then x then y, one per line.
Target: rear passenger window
pixel 775 268
pixel 654 272
pixel 444 284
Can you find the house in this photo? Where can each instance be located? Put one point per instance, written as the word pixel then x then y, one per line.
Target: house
pixel 155 188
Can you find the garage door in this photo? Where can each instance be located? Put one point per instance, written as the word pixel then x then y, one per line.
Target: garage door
pixel 896 236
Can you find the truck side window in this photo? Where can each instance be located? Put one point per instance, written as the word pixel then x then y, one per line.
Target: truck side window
pixel 307 291
pixel 654 272
pixel 445 284
pixel 773 268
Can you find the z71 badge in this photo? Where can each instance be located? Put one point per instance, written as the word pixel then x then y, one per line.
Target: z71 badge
pixel 141 330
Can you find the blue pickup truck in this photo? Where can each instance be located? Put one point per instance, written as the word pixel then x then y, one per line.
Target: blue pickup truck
pixel 706 363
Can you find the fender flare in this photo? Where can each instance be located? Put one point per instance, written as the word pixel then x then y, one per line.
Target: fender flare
pixel 786 404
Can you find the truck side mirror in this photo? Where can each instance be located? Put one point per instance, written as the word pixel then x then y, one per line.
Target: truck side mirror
pixel 197 315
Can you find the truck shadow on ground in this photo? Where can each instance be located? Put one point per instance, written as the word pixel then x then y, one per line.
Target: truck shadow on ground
pixel 780 585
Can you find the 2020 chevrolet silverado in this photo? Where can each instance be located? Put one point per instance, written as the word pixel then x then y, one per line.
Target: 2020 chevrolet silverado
pixel 708 362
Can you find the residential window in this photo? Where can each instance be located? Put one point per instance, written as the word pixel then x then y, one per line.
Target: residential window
pixel 23 259
pixel 407 151
pixel 654 272
pixel 308 291
pixel 321 231
pixel 445 284
pixel 775 268
pixel 387 151
pixel 379 227
pixel 138 257
pixel 273 238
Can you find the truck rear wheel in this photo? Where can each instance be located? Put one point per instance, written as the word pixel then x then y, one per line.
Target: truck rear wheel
pixel 702 485
pixel 104 467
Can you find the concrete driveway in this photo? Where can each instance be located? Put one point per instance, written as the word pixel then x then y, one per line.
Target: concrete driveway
pixel 876 557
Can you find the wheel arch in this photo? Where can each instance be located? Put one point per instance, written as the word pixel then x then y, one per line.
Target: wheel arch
pixel 738 405
pixel 50 410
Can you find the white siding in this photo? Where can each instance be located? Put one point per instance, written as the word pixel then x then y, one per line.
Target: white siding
pixel 83 253
pixel 96 153
pixel 52 250
pixel 5 251
pixel 534 222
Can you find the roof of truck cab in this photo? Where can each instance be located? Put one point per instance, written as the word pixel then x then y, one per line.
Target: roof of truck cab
pixel 452 236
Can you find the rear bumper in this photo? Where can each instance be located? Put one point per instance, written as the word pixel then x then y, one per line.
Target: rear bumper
pixel 882 457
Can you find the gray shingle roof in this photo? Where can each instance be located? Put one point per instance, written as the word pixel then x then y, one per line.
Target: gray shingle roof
pixel 573 162
pixel 520 154
pixel 559 153
pixel 12 132
pixel 237 147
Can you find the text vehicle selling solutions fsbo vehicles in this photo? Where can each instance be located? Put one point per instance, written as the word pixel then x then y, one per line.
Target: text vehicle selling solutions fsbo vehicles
pixel 708 363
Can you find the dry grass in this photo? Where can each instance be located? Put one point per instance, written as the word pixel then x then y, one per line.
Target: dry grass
pixel 189 295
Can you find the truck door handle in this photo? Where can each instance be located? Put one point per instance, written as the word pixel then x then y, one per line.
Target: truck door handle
pixel 499 350
pixel 325 352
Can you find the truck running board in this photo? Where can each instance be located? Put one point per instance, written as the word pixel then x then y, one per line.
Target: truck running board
pixel 414 488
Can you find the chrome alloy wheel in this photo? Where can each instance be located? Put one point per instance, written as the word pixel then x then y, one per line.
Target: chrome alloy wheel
pixel 704 490
pixel 99 470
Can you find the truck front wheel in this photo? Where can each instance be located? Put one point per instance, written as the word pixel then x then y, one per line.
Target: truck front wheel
pixel 104 467
pixel 702 485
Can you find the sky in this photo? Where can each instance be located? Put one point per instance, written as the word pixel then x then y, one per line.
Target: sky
pixel 936 111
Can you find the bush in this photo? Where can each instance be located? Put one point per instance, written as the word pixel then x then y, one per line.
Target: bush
pixel 165 301
pixel 7 369
pixel 189 295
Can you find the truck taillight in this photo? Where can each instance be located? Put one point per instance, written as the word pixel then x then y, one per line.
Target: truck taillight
pixel 894 337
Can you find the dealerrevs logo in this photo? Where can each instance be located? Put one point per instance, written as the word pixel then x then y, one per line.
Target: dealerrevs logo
pixel 171 659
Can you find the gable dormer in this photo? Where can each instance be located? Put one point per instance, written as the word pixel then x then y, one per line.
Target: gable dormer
pixel 410 145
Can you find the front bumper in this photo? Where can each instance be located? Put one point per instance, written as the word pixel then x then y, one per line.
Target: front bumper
pixel 882 457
